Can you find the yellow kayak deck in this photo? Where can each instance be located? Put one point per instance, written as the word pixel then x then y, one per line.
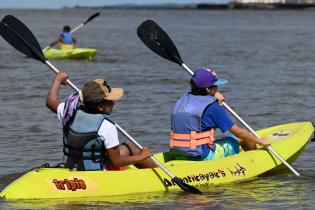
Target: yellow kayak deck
pixel 288 141
pixel 75 53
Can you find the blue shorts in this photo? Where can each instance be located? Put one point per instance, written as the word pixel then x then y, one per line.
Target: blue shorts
pixel 224 147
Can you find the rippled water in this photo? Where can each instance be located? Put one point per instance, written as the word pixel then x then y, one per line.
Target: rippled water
pixel 267 56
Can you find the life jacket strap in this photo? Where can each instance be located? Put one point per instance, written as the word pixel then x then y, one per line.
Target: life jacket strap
pixel 191 140
pixel 78 149
pixel 80 157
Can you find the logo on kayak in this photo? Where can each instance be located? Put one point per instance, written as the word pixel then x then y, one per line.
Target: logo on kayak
pixel 238 170
pixel 280 134
pixel 67 184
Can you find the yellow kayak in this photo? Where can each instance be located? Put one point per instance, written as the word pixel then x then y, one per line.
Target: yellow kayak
pixel 75 53
pixel 288 140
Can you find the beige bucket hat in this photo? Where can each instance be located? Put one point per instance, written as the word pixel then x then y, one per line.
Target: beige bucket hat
pixel 98 90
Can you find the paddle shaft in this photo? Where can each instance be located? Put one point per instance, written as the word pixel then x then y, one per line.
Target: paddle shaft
pixel 140 147
pixel 54 69
pixel 76 28
pixel 185 67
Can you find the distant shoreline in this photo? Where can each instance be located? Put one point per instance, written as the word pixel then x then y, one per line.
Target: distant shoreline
pixel 230 6
pixel 203 6
pixel 238 6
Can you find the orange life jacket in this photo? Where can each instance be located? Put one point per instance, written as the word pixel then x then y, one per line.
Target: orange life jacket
pixel 192 140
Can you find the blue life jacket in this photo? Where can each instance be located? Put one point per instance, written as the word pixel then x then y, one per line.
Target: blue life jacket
pixel 83 148
pixel 67 38
pixel 186 118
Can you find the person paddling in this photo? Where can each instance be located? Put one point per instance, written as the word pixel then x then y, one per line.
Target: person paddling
pixel 66 40
pixel 196 116
pixel 90 137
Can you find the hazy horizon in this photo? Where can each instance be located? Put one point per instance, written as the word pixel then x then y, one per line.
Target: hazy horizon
pixel 55 4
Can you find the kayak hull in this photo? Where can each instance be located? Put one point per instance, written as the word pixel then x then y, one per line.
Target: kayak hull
pixel 76 53
pixel 288 140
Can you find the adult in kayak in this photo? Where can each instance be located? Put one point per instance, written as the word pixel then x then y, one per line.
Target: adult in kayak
pixel 66 40
pixel 196 116
pixel 90 137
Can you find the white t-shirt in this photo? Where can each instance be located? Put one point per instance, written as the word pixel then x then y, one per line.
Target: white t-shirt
pixel 107 132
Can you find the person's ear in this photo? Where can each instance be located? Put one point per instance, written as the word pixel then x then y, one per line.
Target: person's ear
pixel 100 108
pixel 209 90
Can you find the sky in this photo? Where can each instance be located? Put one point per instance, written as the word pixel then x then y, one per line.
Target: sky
pixel 62 3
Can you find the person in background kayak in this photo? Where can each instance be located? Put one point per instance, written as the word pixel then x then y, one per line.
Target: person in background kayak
pixel 66 40
pixel 90 136
pixel 196 116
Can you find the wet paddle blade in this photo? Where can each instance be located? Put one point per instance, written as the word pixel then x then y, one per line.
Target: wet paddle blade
pixel 155 38
pixel 186 187
pixel 91 17
pixel 20 37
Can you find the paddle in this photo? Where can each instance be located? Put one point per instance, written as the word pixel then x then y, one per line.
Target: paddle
pixel 79 26
pixel 22 39
pixel 153 36
pixel 88 20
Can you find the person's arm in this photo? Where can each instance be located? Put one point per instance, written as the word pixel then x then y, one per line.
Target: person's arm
pixel 74 40
pixel 60 39
pixel 222 120
pixel 109 134
pixel 246 136
pixel 216 116
pixel 118 161
pixel 52 100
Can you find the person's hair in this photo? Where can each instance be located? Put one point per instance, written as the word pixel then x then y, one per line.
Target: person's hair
pixel 66 29
pixel 196 90
pixel 93 107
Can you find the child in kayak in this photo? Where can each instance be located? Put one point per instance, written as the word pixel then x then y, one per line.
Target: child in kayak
pixel 195 117
pixel 90 137
pixel 65 39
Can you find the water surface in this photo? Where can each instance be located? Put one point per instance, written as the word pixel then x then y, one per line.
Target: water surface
pixel 267 56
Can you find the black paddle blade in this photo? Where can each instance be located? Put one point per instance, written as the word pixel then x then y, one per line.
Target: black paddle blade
pixel 186 187
pixel 92 17
pixel 152 35
pixel 21 38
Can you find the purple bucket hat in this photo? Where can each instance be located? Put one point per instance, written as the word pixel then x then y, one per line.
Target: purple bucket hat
pixel 204 78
